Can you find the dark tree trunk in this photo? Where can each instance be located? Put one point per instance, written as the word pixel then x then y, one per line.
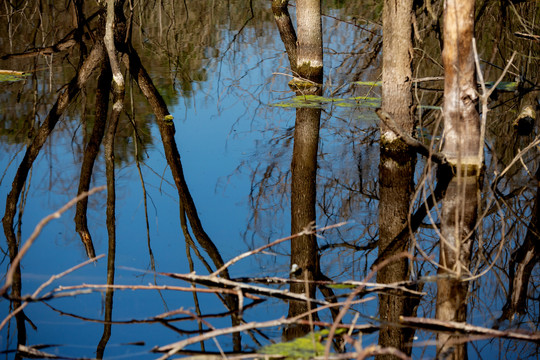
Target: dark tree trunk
pixel 304 252
pixel 90 154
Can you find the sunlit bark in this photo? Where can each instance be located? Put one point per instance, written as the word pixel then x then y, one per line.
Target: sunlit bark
pixel 309 31
pixel 461 120
pixel 396 62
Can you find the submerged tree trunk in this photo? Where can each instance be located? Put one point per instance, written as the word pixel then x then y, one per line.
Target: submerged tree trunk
pixel 396 171
pixel 462 148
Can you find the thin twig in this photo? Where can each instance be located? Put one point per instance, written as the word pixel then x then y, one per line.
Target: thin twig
pixel 44 285
pixel 309 230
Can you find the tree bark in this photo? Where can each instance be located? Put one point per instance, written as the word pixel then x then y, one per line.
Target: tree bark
pixel 461 121
pixel 397 72
pixel 309 62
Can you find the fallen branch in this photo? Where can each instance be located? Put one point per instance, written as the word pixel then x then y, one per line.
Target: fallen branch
pixel 222 283
pixel 59 290
pixel 373 287
pixel 467 329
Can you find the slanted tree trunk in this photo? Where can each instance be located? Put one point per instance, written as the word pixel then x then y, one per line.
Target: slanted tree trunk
pixel 462 148
pixel 286 30
pixel 396 170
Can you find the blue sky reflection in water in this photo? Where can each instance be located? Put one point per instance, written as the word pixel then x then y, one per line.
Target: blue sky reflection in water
pixel 229 133
pixel 220 132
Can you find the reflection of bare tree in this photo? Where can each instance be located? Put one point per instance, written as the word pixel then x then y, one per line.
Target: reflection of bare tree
pixel 67 95
pixel 90 154
pixel 396 172
pixel 306 63
pixel 167 130
pixel 89 62
pixel 522 262
pixel 114 16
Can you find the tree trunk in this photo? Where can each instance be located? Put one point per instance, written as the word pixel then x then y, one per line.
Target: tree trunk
pixel 304 251
pixel 462 148
pixel 397 73
pixel 396 170
pixel 309 61
pixel 461 120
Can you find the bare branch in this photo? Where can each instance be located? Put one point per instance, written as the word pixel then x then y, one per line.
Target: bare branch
pixel 307 231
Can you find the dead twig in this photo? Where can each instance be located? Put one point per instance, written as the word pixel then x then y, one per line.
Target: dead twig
pixel 467 329
pixel 44 285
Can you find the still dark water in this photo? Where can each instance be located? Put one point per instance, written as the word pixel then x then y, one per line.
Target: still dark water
pixel 223 72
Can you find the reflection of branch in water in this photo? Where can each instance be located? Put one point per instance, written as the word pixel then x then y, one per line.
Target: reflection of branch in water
pixel 66 96
pixel 118 88
pixel 90 153
pixel 190 244
pixel 522 262
pixel 34 295
pixel 167 130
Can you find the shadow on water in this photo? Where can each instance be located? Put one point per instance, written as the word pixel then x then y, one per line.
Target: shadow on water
pixel 382 251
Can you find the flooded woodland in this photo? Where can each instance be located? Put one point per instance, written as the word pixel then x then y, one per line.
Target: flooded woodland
pixel 267 179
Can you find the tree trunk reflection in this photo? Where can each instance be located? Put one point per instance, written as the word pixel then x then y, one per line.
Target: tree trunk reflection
pixel 306 64
pixel 396 174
